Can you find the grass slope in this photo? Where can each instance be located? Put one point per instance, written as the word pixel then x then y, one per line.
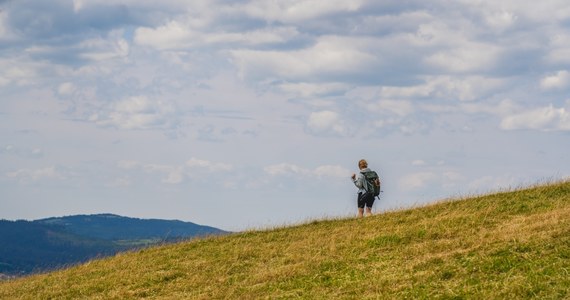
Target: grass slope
pixel 507 245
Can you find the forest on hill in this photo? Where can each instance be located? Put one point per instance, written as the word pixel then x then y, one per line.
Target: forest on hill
pixel 52 243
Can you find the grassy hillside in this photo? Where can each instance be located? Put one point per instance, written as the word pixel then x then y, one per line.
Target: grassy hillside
pixel 508 245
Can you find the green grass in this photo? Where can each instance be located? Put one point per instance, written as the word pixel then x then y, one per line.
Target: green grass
pixel 509 245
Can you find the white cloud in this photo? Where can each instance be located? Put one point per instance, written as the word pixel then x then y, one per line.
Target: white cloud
pixel 208 165
pixel 324 171
pixel 26 175
pixel 466 88
pixel 399 107
pixel 178 35
pixel 407 125
pixel 471 57
pixel 19 72
pixel 78 5
pixel 85 49
pixel 323 120
pixel 393 116
pixel 293 11
pixel 504 108
pixel 546 119
pixel 172 35
pixel 418 162
pixel 454 46
pixel 128 164
pixel 173 174
pixel 560 80
pixel 66 88
pixel 99 49
pixel 329 56
pixel 138 112
pixel 326 122
pixel 285 169
pixel 514 116
pixel 331 171
pixel 500 21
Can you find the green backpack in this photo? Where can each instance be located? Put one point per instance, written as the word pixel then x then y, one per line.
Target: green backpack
pixel 372 183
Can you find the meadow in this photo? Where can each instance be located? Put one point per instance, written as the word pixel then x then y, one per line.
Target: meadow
pixel 507 245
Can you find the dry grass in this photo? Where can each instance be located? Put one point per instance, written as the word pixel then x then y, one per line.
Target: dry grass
pixel 507 245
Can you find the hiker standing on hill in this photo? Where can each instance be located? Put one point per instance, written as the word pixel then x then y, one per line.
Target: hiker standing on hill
pixel 368 185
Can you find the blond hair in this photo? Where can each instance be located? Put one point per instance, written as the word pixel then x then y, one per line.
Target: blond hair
pixel 362 164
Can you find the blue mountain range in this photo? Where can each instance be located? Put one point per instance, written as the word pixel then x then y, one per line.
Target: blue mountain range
pixel 47 244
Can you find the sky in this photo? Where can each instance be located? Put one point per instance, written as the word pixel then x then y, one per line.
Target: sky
pixel 251 114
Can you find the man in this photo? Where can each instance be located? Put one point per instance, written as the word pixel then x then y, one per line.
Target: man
pixel 365 189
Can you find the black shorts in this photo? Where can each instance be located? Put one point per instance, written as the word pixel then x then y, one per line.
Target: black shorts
pixel 365 199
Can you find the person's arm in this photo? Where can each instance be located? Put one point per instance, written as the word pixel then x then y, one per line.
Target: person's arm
pixel 359 182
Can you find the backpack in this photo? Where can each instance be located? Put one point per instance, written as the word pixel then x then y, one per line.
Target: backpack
pixel 372 183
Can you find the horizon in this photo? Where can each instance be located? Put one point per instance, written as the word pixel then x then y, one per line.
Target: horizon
pixel 544 182
pixel 255 114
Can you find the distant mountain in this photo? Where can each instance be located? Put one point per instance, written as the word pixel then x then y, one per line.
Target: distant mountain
pixel 47 244
pixel 29 247
pixel 114 227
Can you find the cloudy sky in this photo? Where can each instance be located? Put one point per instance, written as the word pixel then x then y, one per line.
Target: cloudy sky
pixel 251 113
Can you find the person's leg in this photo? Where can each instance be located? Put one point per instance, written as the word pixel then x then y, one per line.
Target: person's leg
pixel 369 203
pixel 360 203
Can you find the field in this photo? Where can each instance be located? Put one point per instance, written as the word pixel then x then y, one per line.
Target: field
pixel 513 244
